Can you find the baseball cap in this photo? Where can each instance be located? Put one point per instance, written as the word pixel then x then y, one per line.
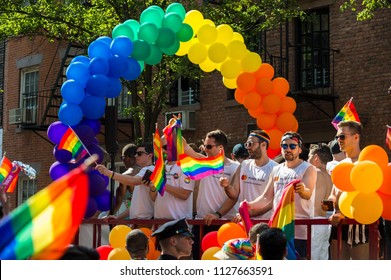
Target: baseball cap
pixel 240 151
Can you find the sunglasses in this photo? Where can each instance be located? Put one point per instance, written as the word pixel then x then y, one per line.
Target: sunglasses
pixel 140 153
pixel 209 146
pixel 291 146
pixel 249 144
pixel 341 136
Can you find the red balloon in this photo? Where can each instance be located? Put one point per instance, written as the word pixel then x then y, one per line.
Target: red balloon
pixel 273 153
pixel 209 240
pixel 104 251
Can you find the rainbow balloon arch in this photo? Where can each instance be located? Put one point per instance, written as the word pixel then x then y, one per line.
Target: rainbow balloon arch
pixel 92 79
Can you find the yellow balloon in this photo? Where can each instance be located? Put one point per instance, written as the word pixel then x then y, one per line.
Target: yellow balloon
pixel 237 36
pixel 117 236
pixel 119 254
pixel 344 203
pixel 207 22
pixel 184 48
pixel 367 207
pixel 366 176
pixel 230 69
pixel 207 34
pixel 230 83
pixel 251 62
pixel 197 53
pixel 224 33
pixel 208 254
pixel 236 49
pixel 194 18
pixel 207 65
pixel 217 52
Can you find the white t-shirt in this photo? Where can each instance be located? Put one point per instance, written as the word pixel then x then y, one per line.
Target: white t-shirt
pixel 141 205
pixel 169 206
pixel 211 195
pixel 253 181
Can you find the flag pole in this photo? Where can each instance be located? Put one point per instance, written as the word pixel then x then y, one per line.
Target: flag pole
pixel 2 159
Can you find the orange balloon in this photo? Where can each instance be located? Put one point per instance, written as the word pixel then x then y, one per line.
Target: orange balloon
pixel 148 232
pixel 366 176
pixel 239 95
pixel 252 100
pixel 229 231
pixel 271 103
pixel 386 199
pixel 280 87
pixel 154 255
pixel 151 249
pixel 367 208
pixel 286 122
pixel 288 105
pixel 255 112
pixel 275 138
pixel 208 254
pixel 246 81
pixel 341 176
pixel 266 121
pixel 386 186
pixel 265 71
pixel 264 86
pixel 344 203
pixel 376 154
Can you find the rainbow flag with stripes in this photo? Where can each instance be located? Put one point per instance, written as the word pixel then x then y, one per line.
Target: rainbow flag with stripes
pixel 71 142
pixel 173 134
pixel 347 113
pixel 284 218
pixel 158 176
pixel 198 168
pixel 5 168
pixel 388 137
pixel 44 225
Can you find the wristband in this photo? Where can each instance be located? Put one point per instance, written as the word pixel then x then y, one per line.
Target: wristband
pixel 112 175
pixel 152 190
pixel 218 214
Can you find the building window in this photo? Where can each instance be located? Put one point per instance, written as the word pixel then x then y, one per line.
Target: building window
pixel 29 94
pixel 124 101
pixel 185 92
pixel 314 51
pixel 26 189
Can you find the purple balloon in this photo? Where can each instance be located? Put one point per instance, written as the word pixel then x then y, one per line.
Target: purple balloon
pixel 97 185
pixel 58 169
pixel 62 155
pixel 91 208
pixel 103 201
pixel 94 124
pixel 96 149
pixel 85 133
pixel 55 131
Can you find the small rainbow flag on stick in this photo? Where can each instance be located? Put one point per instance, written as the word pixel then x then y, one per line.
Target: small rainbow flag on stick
pixel 173 134
pixel 198 168
pixel 158 176
pixel 347 113
pixel 5 168
pixel 388 137
pixel 71 142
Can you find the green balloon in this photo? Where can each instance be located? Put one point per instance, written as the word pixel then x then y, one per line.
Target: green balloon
pixel 148 32
pixel 177 8
pixel 185 33
pixel 165 38
pixel 151 15
pixel 155 56
pixel 123 30
pixel 173 49
pixel 135 25
pixel 172 21
pixel 142 65
pixel 141 50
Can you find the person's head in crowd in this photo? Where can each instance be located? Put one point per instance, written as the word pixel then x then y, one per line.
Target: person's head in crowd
pixel 175 238
pixel 239 153
pixel 349 135
pixel 128 155
pixel 236 249
pixel 78 252
pixel 319 155
pixel 195 147
pixel 256 230
pixel 336 152
pixel 291 145
pixel 137 244
pixel 214 142
pixel 257 144
pixel 272 244
pixel 144 154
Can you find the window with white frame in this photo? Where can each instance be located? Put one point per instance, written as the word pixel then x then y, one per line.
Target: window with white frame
pixel 29 94
pixel 26 189
pixel 188 91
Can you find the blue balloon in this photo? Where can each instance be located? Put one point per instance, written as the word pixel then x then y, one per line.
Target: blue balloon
pixel 103 201
pixel 94 124
pixel 58 169
pixel 117 66
pixel 72 91
pixel 70 114
pixel 81 58
pixel 107 40
pixel 98 85
pixel 97 185
pixel 134 70
pixel 55 131
pixel 121 46
pixel 115 88
pixel 99 49
pixel 98 65
pixel 78 71
pixel 93 107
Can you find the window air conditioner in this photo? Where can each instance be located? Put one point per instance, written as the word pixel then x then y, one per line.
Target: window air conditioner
pixel 15 116
pixel 187 118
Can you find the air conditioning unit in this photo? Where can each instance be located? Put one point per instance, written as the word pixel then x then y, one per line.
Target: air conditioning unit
pixel 15 116
pixel 187 118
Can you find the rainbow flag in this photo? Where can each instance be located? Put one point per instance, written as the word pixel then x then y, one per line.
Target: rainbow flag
pixel 347 113
pixel 12 179
pixel 158 176
pixel 388 137
pixel 198 168
pixel 5 168
pixel 173 134
pixel 284 218
pixel 71 142
pixel 44 225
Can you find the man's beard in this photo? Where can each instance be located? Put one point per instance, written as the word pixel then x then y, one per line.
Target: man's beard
pixel 257 154
pixel 290 157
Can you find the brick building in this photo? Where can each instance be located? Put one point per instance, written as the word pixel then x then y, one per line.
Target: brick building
pixel 326 62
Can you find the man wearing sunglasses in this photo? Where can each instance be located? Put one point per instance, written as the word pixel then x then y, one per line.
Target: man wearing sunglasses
pixel 355 237
pixel 293 168
pixel 252 176
pixel 141 205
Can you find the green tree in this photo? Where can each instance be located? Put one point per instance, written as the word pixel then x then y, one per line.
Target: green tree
pixel 366 9
pixel 82 21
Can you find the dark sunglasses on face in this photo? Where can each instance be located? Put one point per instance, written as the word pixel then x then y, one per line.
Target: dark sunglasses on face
pixel 209 146
pixel 290 146
pixel 140 153
pixel 341 136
